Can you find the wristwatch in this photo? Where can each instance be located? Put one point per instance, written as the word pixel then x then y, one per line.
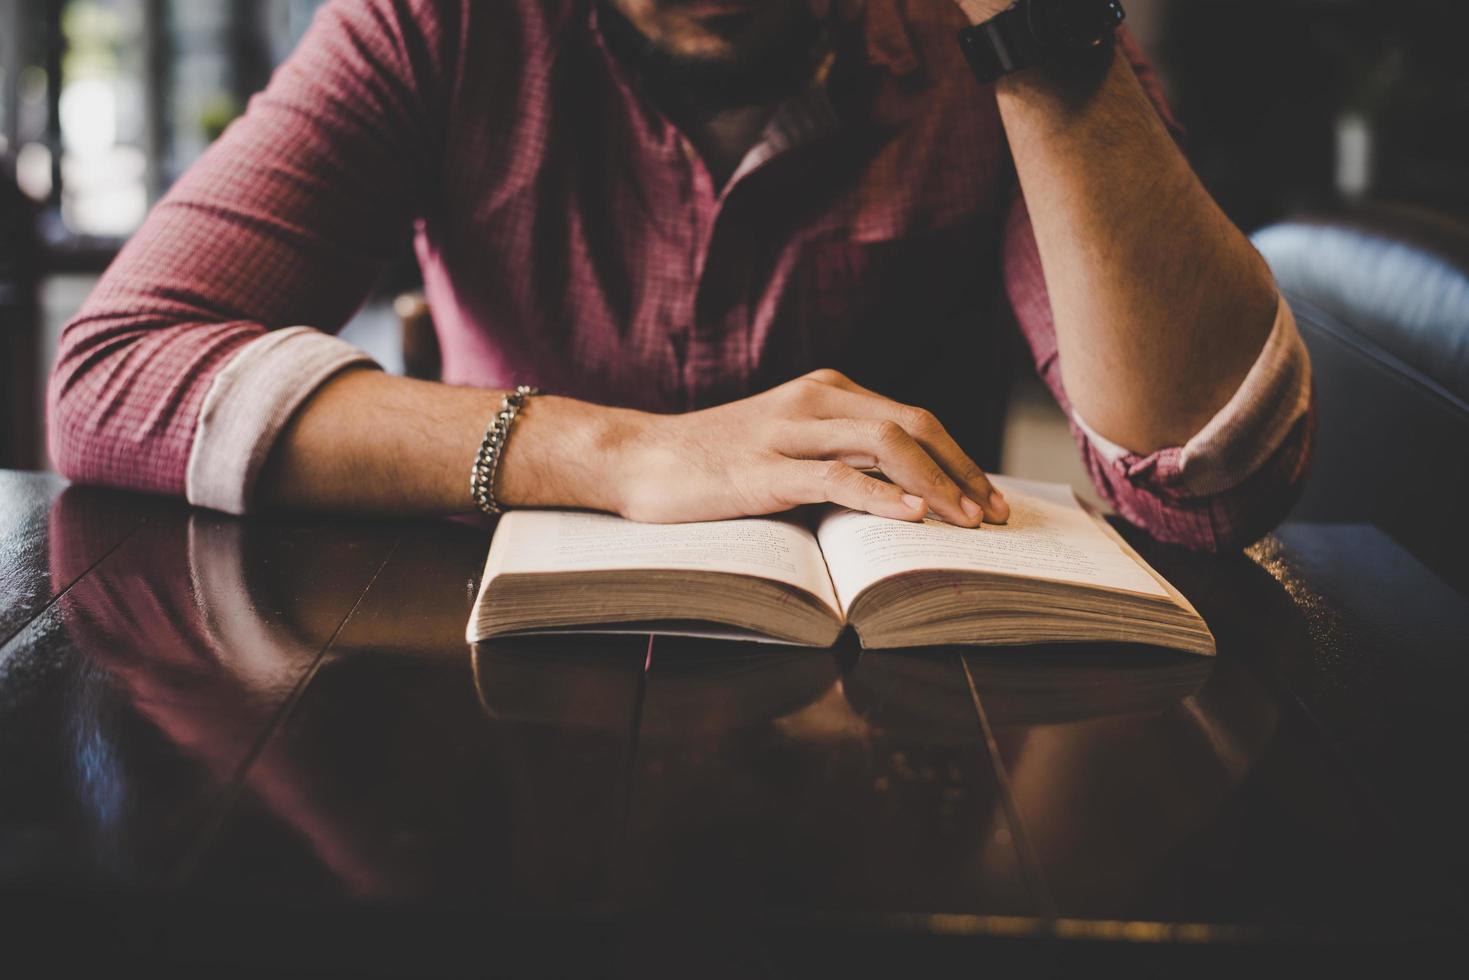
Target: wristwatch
pixel 1040 32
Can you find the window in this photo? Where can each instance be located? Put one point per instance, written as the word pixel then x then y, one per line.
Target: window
pixel 103 103
pixel 103 117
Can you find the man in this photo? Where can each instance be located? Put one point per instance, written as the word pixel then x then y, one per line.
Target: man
pixel 662 212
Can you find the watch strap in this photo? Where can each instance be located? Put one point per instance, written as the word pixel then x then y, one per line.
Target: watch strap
pixel 1001 45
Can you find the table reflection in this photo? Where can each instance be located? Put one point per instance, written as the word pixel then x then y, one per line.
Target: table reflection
pixel 307 692
pixel 186 645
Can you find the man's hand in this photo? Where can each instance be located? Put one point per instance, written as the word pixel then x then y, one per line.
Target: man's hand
pixel 804 442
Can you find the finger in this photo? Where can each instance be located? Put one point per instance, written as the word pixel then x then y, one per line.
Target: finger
pixel 829 401
pixel 900 458
pixel 819 481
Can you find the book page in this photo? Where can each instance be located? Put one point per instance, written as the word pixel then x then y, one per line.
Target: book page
pixel 1049 536
pixel 779 548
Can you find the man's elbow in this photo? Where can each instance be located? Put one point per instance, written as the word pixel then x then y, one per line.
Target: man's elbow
pixel 69 436
pixel 86 428
pixel 1222 521
pixel 1244 514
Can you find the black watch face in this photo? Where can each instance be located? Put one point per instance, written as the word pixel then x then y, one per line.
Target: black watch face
pixel 1074 24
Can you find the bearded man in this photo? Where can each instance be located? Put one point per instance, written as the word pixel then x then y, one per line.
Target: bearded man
pixel 752 250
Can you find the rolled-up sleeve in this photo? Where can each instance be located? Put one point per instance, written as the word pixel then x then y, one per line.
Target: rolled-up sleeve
pixel 182 367
pixel 250 401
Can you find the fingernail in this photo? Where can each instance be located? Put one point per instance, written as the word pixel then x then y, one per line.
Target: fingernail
pixel 971 508
pixel 914 503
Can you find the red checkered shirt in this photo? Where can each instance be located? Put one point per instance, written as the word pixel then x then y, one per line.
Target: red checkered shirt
pixel 570 238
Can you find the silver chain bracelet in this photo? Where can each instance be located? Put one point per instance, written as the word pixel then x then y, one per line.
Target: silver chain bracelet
pixel 487 463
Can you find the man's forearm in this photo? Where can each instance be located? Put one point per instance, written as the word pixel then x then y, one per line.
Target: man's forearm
pixel 368 442
pixel 1161 305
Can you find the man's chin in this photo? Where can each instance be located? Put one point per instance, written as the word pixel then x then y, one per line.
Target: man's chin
pixel 726 53
pixel 716 36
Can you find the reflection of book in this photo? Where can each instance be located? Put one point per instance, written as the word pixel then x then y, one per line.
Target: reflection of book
pixel 548 680
pixel 713 687
pixel 1057 685
pixel 926 699
pixel 1055 573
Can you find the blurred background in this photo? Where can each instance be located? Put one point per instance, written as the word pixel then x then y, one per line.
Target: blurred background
pixel 1290 106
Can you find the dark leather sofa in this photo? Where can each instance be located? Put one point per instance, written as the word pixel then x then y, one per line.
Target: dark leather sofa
pixel 1381 296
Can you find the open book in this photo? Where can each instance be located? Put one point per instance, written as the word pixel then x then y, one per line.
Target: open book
pixel 1055 573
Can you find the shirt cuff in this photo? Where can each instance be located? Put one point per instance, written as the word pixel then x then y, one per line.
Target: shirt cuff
pixel 1242 435
pixel 250 402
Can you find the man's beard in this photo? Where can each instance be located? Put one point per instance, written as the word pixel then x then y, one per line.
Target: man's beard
pixel 762 68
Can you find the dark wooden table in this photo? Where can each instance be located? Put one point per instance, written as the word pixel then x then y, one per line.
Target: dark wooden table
pixel 263 745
